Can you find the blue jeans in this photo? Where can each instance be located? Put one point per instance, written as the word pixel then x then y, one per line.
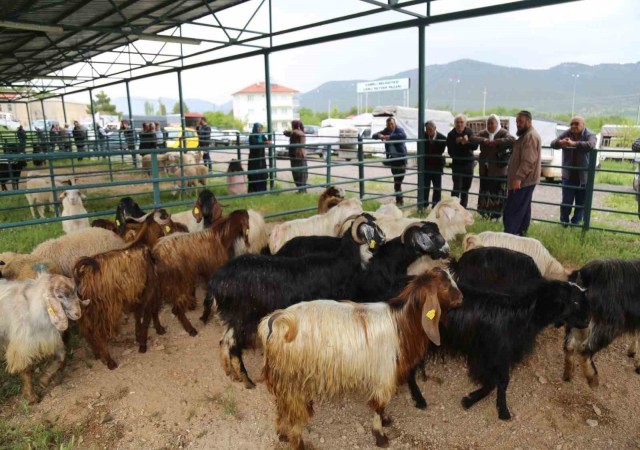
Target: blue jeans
pixel 517 210
pixel 572 193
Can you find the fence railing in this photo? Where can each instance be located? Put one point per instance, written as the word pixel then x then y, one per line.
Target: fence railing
pixel 164 177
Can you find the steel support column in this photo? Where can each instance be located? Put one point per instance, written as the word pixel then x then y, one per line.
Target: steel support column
pixel 267 96
pixel 131 125
pixel 64 110
pixel 421 119
pixel 93 121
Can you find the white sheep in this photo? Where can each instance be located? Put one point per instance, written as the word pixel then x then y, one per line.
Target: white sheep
pixel 327 224
pixel 66 250
pixel 16 266
pixel 38 201
pixel 197 170
pixel 321 350
pixel 32 315
pixel 72 206
pixel 548 265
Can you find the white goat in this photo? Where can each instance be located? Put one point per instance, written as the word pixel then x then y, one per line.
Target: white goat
pixel 32 315
pixel 72 206
pixel 327 224
pixel 548 265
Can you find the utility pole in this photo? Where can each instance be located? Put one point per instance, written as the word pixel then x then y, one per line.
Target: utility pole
pixel 484 100
pixel 638 118
pixel 455 83
pixel 329 110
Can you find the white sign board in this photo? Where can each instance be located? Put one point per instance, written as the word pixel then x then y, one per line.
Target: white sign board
pixel 397 84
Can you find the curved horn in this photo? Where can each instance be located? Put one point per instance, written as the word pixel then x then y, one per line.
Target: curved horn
pixel 157 216
pixel 409 227
pixel 354 229
pixel 139 219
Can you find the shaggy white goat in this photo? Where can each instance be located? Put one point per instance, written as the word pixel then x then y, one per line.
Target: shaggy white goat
pixel 72 206
pixel 32 315
pixel 548 265
pixel 327 224
pixel 319 350
pixel 67 249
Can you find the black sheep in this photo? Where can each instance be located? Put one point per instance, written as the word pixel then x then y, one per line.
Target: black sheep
pixel 127 208
pixel 613 291
pixel 10 170
pixel 251 286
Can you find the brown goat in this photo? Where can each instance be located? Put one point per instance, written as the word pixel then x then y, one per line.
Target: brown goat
pixel 329 198
pixel 121 281
pixel 106 224
pixel 182 261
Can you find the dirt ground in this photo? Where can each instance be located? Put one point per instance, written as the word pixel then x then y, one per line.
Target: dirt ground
pixel 177 396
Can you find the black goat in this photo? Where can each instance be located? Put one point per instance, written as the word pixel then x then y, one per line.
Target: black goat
pixel 251 286
pixel 494 329
pixel 10 170
pixel 613 292
pixel 385 274
pixel 127 208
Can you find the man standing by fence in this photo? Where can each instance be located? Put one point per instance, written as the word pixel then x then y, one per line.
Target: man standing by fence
pixel 434 162
pixel 204 142
pixel 522 176
pixel 576 143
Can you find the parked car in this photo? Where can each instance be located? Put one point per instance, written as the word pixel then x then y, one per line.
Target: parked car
pixel 316 144
pixel 175 138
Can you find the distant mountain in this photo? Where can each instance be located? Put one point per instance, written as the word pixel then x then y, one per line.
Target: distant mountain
pixel 194 105
pixel 600 89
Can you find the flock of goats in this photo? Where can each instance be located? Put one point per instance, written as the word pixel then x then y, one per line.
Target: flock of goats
pixel 278 285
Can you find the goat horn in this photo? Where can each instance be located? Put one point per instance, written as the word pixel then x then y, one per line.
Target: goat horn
pixel 139 219
pixel 409 227
pixel 157 216
pixel 354 228
pixel 571 283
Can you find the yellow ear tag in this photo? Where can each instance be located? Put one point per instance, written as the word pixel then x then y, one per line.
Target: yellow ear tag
pixel 372 244
pixel 431 314
pixel 52 312
pixel 167 228
pixel 117 223
pixel 196 210
pixel 247 232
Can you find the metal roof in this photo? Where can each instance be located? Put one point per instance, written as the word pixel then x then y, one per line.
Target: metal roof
pixel 57 47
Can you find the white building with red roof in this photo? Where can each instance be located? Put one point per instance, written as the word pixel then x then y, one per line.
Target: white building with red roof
pixel 250 105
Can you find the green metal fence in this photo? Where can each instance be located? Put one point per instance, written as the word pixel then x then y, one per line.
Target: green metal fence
pixel 108 171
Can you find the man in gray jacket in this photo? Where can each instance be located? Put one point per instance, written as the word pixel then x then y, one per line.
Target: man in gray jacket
pixel 576 143
pixel 522 176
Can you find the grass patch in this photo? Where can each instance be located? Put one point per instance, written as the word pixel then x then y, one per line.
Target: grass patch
pixel 618 179
pixel 569 245
pixel 38 436
pixel 225 401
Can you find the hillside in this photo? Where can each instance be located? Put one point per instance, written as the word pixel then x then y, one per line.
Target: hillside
pixel 600 89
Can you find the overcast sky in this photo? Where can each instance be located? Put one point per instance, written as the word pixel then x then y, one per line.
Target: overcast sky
pixel 586 31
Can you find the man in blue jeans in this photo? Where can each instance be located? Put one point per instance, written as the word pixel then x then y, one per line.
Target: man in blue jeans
pixel 576 143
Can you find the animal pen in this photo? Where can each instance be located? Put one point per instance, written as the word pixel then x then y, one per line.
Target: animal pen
pixel 43 70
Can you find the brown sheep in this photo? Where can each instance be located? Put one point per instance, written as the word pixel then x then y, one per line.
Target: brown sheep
pixel 183 260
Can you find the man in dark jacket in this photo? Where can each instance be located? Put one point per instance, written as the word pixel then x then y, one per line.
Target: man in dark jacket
pixel 204 141
pixel 22 139
pixel 461 151
pixel 434 162
pixel 576 143
pixel 395 150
